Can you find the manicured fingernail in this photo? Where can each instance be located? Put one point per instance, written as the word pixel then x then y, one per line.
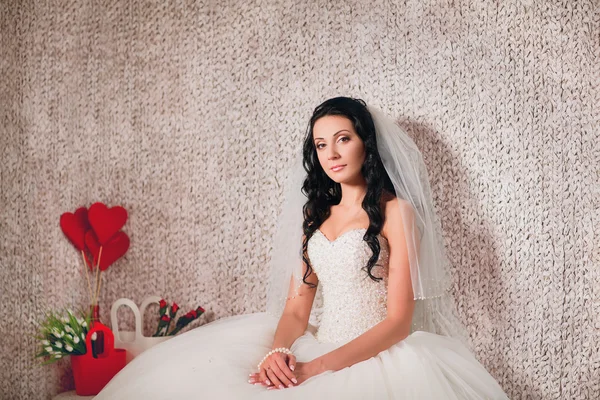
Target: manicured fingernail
pixel 250 380
pixel 281 387
pixel 294 380
pixel 292 367
pixel 258 383
pixel 290 385
pixel 268 382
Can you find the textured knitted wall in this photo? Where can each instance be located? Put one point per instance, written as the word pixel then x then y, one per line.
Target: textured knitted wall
pixel 188 113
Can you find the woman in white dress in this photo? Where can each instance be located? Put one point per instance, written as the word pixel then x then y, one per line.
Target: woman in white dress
pixel 359 305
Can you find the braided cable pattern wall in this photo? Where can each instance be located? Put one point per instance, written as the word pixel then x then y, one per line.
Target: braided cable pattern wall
pixel 188 113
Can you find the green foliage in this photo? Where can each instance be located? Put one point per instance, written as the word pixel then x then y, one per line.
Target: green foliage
pixel 62 335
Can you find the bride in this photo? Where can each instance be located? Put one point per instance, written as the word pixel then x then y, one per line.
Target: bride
pixel 358 301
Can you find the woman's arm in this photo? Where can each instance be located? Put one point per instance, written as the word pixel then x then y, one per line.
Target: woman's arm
pixel 291 326
pixel 400 304
pixel 294 319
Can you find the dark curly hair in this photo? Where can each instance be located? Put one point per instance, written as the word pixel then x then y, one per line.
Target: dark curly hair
pixel 322 192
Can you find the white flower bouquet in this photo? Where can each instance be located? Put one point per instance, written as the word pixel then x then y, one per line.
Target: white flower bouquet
pixel 62 335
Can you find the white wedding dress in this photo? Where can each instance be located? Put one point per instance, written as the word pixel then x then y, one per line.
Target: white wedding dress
pixel 213 361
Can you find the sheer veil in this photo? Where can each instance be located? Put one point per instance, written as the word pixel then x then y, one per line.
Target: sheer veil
pixel 435 309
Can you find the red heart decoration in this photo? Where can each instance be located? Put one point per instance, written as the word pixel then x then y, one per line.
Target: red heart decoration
pixel 105 221
pixel 91 241
pixel 74 226
pixel 111 251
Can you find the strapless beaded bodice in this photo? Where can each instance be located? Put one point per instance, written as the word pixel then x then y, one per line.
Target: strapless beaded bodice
pixel 352 301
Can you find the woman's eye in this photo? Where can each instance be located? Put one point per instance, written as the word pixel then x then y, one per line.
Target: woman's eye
pixel 342 139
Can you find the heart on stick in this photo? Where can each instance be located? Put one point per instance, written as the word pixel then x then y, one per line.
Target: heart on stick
pixel 116 247
pixel 106 222
pixel 74 226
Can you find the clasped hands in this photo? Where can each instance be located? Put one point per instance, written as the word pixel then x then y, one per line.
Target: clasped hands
pixel 280 371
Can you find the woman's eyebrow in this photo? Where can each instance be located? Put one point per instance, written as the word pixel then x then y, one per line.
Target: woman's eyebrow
pixel 334 135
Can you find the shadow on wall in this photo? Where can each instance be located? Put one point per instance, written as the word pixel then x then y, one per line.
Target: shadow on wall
pixel 481 296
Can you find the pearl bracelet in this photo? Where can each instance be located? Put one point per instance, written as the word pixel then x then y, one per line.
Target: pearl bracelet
pixel 284 350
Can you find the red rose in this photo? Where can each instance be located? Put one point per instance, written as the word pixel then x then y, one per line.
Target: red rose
pixel 165 318
pixel 200 309
pixel 174 308
pixel 162 303
pixel 193 314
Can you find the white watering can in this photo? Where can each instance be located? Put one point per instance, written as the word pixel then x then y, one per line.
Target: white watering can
pixel 133 342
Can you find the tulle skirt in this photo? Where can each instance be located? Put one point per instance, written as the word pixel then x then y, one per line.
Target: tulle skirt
pixel 213 361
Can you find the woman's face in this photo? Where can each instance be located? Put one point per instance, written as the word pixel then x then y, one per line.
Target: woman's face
pixel 340 150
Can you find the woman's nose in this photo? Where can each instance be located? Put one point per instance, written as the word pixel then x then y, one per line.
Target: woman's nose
pixel 332 155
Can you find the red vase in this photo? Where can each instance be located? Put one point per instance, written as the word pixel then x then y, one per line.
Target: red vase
pixel 98 344
pixel 93 371
pixel 95 309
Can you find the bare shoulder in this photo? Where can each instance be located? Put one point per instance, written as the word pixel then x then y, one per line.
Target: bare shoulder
pixel 395 210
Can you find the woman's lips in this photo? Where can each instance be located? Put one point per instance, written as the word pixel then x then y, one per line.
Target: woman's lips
pixel 338 168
